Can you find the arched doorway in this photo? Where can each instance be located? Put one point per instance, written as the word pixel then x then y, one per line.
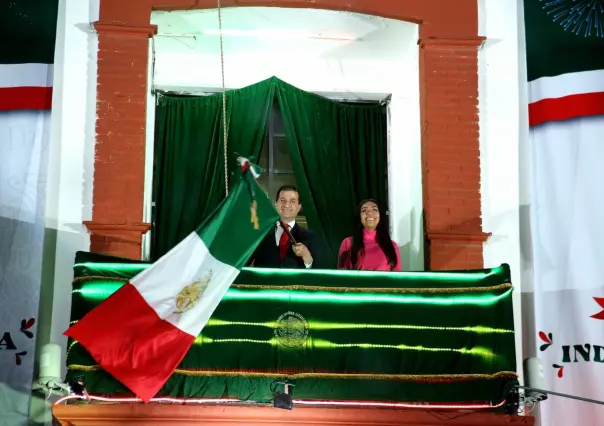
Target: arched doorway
pixel 448 103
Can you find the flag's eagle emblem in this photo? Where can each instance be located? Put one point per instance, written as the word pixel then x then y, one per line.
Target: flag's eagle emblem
pixel 190 294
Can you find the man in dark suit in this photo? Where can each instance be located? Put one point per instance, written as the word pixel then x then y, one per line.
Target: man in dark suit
pixel 275 250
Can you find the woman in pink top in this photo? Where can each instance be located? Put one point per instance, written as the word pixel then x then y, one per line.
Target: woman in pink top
pixel 370 248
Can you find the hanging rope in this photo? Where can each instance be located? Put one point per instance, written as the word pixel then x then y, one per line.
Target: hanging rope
pixel 224 112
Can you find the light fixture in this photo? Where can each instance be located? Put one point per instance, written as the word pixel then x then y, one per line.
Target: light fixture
pixel 308 402
pixel 283 400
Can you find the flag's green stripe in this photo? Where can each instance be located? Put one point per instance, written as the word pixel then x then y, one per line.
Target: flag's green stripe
pixel 552 51
pixel 324 325
pixel 229 233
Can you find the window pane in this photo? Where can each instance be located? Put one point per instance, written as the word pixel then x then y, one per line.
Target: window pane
pixel 263 183
pixel 263 160
pixel 301 220
pixel 277 121
pixel 280 180
pixel 263 180
pixel 282 160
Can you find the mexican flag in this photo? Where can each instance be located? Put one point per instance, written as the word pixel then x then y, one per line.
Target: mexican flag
pixel 565 64
pixel 142 332
pixel 27 48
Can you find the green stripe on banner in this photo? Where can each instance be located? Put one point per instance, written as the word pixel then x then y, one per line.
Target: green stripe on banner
pixel 562 37
pixel 28 31
pixel 332 323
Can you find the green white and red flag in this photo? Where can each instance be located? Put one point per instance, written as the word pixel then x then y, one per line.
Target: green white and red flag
pixel 142 332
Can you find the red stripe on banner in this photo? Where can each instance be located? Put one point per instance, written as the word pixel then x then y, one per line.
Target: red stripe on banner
pixel 13 98
pixel 131 342
pixel 573 106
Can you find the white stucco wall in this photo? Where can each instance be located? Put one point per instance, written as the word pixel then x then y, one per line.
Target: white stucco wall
pixel 503 138
pixel 70 173
pixel 71 163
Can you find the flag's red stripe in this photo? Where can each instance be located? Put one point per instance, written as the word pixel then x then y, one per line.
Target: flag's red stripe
pixel 131 342
pixel 573 106
pixel 12 98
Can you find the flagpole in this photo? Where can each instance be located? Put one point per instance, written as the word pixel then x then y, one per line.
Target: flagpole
pixel 563 395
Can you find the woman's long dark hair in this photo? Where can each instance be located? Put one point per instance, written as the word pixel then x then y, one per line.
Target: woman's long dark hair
pixel 382 237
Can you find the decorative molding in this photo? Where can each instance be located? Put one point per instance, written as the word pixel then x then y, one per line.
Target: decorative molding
pixel 117 239
pixel 470 237
pixel 97 227
pixel 476 42
pixel 149 30
pixel 208 415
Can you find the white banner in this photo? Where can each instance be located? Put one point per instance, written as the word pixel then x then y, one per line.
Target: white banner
pixel 24 137
pixel 568 247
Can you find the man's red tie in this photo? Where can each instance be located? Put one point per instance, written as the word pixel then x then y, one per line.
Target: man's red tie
pixel 284 243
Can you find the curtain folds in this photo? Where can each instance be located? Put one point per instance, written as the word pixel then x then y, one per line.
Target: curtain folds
pixel 189 150
pixel 338 152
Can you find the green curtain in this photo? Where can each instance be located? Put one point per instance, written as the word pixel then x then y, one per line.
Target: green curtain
pixel 339 154
pixel 338 151
pixel 188 163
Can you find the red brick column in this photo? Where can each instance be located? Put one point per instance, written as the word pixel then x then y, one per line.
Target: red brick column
pixel 450 153
pixel 119 169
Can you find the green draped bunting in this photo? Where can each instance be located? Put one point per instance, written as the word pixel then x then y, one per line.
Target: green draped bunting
pixel 338 153
pixel 341 335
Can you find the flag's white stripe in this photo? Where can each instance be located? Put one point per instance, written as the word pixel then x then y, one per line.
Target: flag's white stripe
pixel 575 83
pixel 186 263
pixel 26 75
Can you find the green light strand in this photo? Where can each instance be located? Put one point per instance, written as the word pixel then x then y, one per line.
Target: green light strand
pixel 102 290
pixel 314 297
pixel 325 344
pixel 75 342
pixel 458 276
pixel 98 290
pixel 322 325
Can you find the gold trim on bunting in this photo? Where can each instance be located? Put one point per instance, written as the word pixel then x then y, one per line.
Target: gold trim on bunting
pixel 374 289
pixel 504 286
pixel 354 376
